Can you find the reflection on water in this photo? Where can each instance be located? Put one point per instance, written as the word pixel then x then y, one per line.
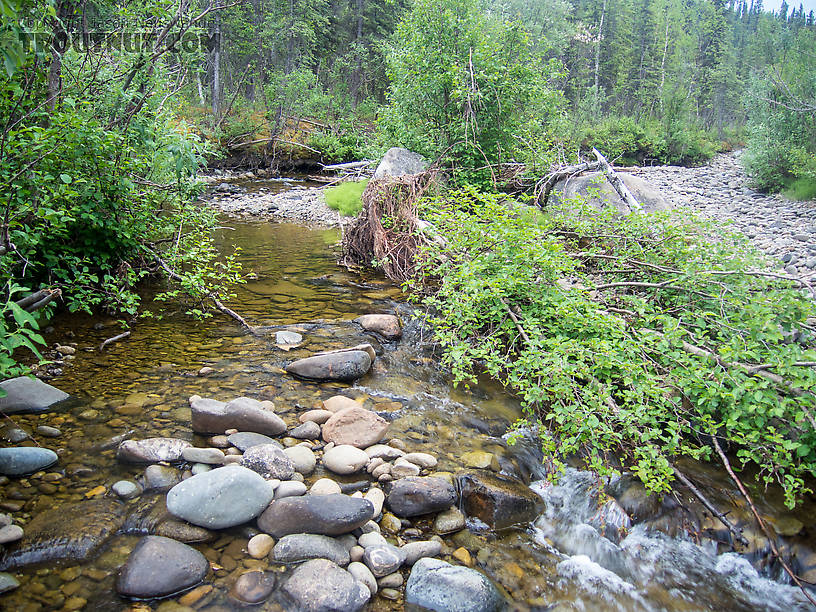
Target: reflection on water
pixel 139 387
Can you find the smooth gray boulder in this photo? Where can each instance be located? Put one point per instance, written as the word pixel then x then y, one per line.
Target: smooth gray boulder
pixel 24 394
pixel 8 583
pixel 583 186
pixel 297 547
pixel 159 567
pixel 151 450
pixel 386 325
pixel 224 497
pixel 415 496
pixel 322 586
pixel 69 533
pixel 442 587
pixel 22 460
pixel 244 413
pixel 333 514
pixel 398 162
pixel 247 439
pixel 339 365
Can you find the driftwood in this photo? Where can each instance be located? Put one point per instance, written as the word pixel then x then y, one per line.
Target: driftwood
pixel 218 304
pixel 544 187
pixel 121 336
pixel 38 299
pixel 348 166
pixel 617 182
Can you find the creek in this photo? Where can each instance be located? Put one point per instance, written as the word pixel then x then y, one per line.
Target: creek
pixel 617 549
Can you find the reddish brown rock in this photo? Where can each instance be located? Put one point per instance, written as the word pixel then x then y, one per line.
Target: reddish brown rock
pixel 388 326
pixel 355 426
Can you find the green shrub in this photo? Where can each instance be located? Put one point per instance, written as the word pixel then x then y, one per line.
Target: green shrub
pixel 802 189
pixel 588 317
pixel 346 197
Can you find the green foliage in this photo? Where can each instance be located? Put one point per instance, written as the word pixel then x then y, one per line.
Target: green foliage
pixel 346 197
pixel 18 332
pixel 802 189
pixel 466 86
pixel 603 371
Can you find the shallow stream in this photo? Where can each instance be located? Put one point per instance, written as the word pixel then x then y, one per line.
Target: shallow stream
pixel 583 553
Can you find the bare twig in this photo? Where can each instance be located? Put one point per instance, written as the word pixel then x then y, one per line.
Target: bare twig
pixel 121 336
pixel 736 532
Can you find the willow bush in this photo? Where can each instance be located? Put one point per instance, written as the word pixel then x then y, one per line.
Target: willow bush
pixel 631 341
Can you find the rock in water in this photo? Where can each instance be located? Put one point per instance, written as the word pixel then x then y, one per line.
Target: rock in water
pixel 345 459
pixel 386 325
pixel 340 365
pixel 220 498
pixel 151 450
pixel 442 587
pixel 244 413
pixel 269 461
pixel 25 460
pixel 247 439
pixel 398 162
pixel 70 533
pixel 298 547
pixel 8 583
pixel 415 496
pixel 334 514
pixel 336 403
pixel 24 394
pixel 253 587
pixel 355 426
pixel 497 500
pixel 321 586
pixel 288 337
pixel 648 197
pixel 159 567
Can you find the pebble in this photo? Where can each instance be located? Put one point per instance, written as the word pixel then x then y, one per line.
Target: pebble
pixel 462 555
pixel 259 546
pixel 384 451
pixel 200 468
pixel 210 456
pixel 361 572
pixel 423 460
pixel 414 551
pixel 356 553
pixel 316 416
pixel 8 582
pixel 308 430
pixel 390 523
pixel 10 533
pixel 345 459
pixel 383 559
pixel 303 460
pixel 325 486
pixel 391 581
pixel 48 431
pixel 253 587
pixel 371 539
pixel 337 590
pixel 298 547
pixel 269 461
pixel 377 497
pixel 289 488
pixel 449 521
pixel 245 440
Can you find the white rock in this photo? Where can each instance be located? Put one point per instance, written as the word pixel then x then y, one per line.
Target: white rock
pixel 325 486
pixel 345 459
pixel 376 496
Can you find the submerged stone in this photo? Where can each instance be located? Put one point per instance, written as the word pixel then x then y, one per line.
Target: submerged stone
pixel 24 394
pixel 341 365
pixel 159 567
pixel 25 460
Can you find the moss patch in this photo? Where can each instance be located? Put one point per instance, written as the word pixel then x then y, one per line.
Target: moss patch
pixel 346 197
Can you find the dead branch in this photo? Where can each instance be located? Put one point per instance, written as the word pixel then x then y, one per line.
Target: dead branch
pixel 218 304
pixel 727 465
pixel 545 186
pixel 121 336
pixel 736 532
pixel 617 183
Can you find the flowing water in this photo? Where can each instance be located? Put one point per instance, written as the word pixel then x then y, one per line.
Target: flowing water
pixel 593 548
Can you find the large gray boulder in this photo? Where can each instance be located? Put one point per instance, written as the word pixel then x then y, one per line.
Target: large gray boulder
pixel 334 514
pixel 21 460
pixel 224 497
pixel 160 567
pixel 398 162
pixel 442 587
pixel 415 496
pixel 649 197
pixel 67 533
pixel 338 365
pixel 322 586
pixel 244 414
pixel 24 394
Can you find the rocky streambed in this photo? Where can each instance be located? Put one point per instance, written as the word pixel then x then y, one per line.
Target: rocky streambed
pixel 197 468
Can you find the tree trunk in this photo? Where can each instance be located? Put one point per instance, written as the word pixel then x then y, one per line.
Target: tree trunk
pixel 598 50
pixel 58 47
pixel 216 82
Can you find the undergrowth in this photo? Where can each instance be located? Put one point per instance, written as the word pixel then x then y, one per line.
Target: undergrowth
pixel 631 341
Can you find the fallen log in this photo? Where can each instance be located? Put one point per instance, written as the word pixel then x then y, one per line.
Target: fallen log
pixel 348 165
pixel 38 299
pixel 617 182
pixel 544 187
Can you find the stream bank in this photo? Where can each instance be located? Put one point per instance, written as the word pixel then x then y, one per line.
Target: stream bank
pixel 595 546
